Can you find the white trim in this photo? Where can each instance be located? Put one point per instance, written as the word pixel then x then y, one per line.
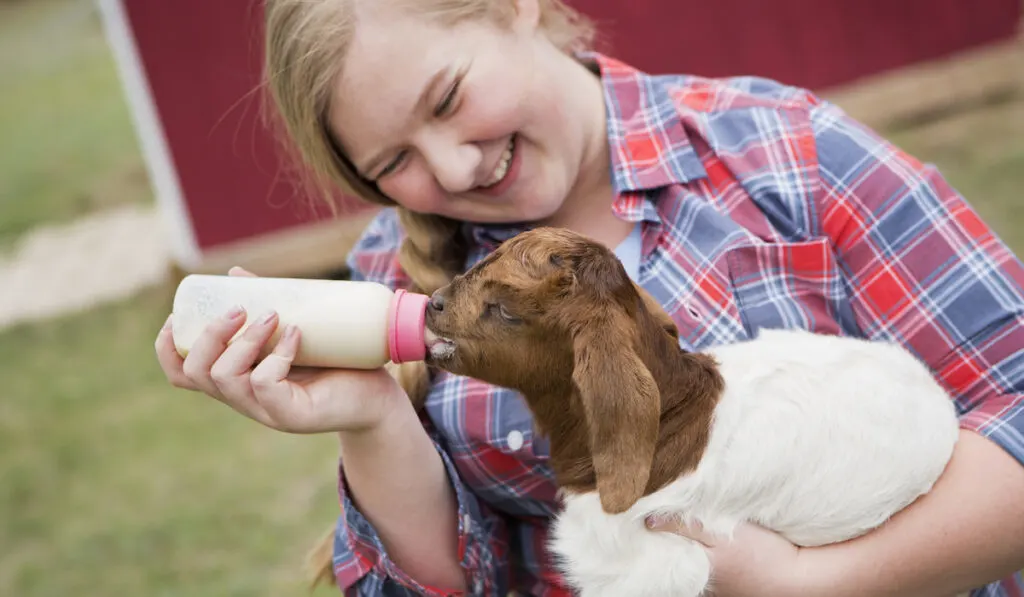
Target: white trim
pixel 157 155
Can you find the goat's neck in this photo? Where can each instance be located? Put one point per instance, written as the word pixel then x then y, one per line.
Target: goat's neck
pixel 690 385
pixel 560 418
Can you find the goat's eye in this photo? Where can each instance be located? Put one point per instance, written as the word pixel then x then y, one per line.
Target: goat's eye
pixel 503 313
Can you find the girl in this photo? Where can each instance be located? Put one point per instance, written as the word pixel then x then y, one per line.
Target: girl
pixel 738 203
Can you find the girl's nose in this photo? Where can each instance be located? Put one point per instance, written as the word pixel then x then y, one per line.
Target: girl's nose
pixel 454 164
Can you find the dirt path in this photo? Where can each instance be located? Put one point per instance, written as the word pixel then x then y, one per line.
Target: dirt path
pixel 61 269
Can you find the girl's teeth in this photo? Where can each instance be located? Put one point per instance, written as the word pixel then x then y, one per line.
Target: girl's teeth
pixel 502 169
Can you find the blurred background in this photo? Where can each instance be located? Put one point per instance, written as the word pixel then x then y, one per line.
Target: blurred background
pixel 132 152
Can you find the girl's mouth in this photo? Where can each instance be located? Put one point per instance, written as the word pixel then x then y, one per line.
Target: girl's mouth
pixel 505 172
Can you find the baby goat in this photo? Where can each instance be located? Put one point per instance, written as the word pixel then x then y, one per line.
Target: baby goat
pixel 820 438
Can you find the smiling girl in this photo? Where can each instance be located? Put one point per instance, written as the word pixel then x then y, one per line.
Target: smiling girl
pixel 738 203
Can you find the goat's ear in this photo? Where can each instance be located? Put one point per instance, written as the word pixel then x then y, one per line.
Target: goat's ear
pixel 622 406
pixel 557 282
pixel 657 312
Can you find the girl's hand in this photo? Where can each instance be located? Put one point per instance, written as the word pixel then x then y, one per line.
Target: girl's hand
pixel 271 391
pixel 754 563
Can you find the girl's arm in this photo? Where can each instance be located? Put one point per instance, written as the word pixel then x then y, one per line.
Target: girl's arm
pixel 397 479
pixel 966 533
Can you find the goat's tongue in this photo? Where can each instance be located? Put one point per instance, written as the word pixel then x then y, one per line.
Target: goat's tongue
pixel 437 346
pixel 431 339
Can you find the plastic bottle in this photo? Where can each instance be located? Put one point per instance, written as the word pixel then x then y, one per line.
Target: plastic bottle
pixel 343 324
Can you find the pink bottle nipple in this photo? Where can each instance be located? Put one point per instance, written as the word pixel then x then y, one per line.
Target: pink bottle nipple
pixel 406 327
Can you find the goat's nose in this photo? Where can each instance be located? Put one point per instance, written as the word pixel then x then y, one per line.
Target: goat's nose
pixel 437 302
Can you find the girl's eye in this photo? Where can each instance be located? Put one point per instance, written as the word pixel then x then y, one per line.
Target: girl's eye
pixel 393 165
pixel 449 99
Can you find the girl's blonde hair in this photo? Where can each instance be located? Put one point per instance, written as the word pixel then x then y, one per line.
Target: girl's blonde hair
pixel 305 45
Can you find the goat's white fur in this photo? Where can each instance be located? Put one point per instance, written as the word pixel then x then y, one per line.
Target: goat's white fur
pixel 821 438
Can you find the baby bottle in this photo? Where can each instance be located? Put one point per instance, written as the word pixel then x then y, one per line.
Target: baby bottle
pixel 342 324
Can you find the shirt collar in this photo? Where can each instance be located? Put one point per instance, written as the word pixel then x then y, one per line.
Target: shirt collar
pixel 649 146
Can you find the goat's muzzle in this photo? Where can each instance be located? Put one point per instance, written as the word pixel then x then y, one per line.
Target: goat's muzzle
pixel 439 347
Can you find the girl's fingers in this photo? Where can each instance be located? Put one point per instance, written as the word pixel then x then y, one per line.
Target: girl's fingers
pixel 271 386
pixel 208 348
pixel 238 271
pixel 169 359
pixel 231 371
pixel 674 524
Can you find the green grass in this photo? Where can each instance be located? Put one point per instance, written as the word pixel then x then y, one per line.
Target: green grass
pixel 114 483
pixel 68 146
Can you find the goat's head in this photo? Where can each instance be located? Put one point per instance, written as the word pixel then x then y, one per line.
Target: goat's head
pixel 554 315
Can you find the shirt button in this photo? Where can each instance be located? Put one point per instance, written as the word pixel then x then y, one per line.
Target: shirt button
pixel 515 440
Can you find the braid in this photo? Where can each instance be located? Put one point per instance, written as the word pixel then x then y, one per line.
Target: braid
pixel 434 250
pixel 432 253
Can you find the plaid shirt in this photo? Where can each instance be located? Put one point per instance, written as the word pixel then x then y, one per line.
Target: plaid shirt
pixel 760 205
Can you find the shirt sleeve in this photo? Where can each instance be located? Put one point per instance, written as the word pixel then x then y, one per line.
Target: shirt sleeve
pixel 924 270
pixel 361 563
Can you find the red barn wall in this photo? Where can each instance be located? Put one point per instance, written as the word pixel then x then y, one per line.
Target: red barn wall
pixel 202 63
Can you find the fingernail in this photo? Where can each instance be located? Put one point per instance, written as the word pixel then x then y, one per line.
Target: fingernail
pixel 289 331
pixel 167 323
pixel 235 312
pixel 268 318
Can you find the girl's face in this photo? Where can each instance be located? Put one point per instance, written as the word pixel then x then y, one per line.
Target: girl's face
pixel 475 122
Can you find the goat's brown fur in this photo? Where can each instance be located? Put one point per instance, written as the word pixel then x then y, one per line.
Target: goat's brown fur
pixel 554 315
pixel 595 356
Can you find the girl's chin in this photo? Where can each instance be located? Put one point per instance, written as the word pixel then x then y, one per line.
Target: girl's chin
pixel 534 213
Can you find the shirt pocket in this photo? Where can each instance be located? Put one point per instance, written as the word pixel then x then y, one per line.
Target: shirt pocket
pixel 790 285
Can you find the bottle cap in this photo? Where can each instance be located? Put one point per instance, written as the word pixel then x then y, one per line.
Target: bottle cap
pixel 406 328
